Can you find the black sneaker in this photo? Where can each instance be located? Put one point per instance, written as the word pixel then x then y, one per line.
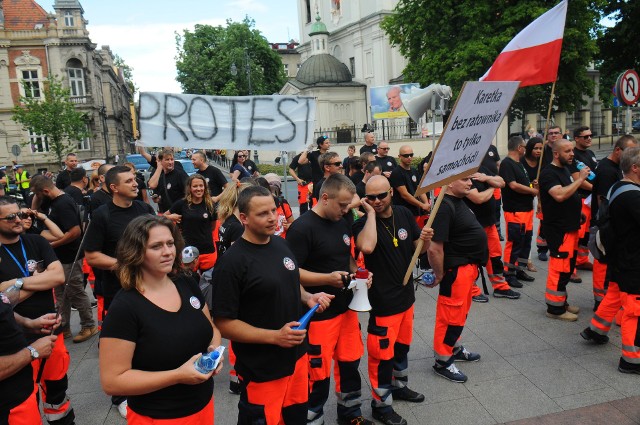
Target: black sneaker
pixel 464 355
pixel 512 281
pixel 521 275
pixel 388 417
pixel 590 335
pixel 234 387
pixel 452 373
pixel 506 293
pixel 407 394
pixel 358 420
pixel 482 298
pixel 542 256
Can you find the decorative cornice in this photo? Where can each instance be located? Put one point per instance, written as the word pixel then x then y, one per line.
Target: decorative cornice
pixel 26 59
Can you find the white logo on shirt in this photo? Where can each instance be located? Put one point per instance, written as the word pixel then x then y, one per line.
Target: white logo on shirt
pixel 402 234
pixel 288 263
pixel 32 265
pixel 346 239
pixel 205 215
pixel 389 163
pixel 207 179
pixel 490 153
pixel 168 185
pixel 195 302
pixel 413 179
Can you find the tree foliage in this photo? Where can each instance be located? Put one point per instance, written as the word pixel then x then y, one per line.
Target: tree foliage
pixel 127 71
pixel 453 41
pixel 206 54
pixel 618 44
pixel 53 116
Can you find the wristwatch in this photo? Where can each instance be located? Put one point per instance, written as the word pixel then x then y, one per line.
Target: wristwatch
pixel 19 283
pixel 34 352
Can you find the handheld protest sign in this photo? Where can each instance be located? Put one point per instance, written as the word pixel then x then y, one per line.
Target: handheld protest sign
pixel 278 123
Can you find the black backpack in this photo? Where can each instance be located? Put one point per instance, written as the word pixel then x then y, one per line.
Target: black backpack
pixel 601 238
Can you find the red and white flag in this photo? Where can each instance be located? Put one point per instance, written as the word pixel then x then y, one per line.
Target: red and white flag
pixel 533 56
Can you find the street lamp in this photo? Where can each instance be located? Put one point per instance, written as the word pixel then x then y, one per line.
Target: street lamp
pixel 234 71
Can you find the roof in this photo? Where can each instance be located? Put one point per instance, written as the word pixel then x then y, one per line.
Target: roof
pixel 23 15
pixel 323 68
pixel 318 27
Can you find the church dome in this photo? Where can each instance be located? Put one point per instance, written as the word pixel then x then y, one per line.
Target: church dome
pixel 323 68
pixel 318 27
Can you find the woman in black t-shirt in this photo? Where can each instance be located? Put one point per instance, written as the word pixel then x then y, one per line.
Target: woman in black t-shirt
pixel 530 161
pixel 196 215
pixel 157 327
pixel 45 228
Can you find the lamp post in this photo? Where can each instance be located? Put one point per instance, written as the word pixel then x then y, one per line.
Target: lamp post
pixel 234 71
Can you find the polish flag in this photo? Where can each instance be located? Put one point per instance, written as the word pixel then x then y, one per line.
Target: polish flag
pixel 533 56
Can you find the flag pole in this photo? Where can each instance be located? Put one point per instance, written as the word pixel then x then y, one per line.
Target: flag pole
pixel 546 126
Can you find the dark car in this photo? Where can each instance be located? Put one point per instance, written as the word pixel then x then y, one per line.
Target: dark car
pixel 636 125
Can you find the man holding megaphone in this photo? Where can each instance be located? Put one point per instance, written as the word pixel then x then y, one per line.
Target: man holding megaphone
pixel 387 236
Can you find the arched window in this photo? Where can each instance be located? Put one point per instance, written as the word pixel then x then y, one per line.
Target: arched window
pixel 76 80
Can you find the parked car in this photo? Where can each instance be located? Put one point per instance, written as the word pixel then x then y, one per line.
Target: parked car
pixel 138 161
pixel 187 166
pixel 636 125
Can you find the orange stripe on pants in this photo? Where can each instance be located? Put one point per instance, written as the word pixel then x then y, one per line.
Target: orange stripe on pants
pixel 495 253
pixel 518 245
pixel 631 331
pixel 560 270
pixel 583 235
pixel 453 304
pixel 607 310
pixel 56 404
pixel 26 413
pixel 204 416
pixel 277 402
pixel 233 375
pixel 599 280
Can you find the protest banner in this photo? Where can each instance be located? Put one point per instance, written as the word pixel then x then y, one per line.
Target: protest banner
pixel 473 123
pixel 277 123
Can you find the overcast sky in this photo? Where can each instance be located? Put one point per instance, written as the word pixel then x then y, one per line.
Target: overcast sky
pixel 142 32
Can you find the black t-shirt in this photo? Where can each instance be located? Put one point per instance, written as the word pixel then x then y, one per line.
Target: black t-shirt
pixel 388 263
pixel 356 177
pixel 229 232
pixel 64 212
pixel 317 186
pixel 547 155
pixel 316 172
pixel 18 387
pixel 532 172
pixel 361 189
pixel 63 179
pixel 260 285
pixel 485 213
pixel 409 179
pixel 387 163
pixel 373 149
pixel 75 193
pixel 107 226
pixel 464 240
pixel 561 217
pixel 607 173
pixel 589 159
pixel 250 166
pixel 302 170
pixel 98 198
pixel 142 186
pixel 196 224
pixel 323 246
pixel 624 214
pixel 171 187
pixel 491 160
pixel 36 249
pixel 512 201
pixel 132 317
pixel 214 178
pixel 154 163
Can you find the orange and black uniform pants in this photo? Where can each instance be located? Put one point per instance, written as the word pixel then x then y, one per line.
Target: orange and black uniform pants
pixel 53 385
pixel 26 413
pixel 204 416
pixel 602 319
pixel 583 235
pixel 303 197
pixel 388 341
pixel 541 240
pixel 630 328
pixel 494 265
pixel 600 281
pixel 336 339
pixel 518 245
pixel 452 308
pixel 561 265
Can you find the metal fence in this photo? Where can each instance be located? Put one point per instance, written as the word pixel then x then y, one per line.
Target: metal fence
pixel 383 129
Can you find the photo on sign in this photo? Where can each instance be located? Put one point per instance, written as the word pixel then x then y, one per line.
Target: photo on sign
pixel 386 102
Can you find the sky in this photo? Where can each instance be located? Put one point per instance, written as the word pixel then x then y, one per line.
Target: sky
pixel 142 32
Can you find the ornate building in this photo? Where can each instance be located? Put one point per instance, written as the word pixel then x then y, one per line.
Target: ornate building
pixel 35 44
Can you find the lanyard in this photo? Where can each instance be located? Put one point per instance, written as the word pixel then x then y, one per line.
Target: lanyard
pixel 15 260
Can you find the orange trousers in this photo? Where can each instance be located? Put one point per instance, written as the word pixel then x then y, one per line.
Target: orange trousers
pixel 53 384
pixel 631 332
pixel 607 310
pixel 600 282
pixel 336 339
pixel 494 265
pixel 452 308
pixel 279 402
pixel 388 341
pixel 518 244
pixel 583 234
pixel 26 413
pixel 560 270
pixel 204 416
pixel 303 197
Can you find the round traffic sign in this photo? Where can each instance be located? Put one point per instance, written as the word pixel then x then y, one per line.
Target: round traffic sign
pixel 628 87
pixel 15 150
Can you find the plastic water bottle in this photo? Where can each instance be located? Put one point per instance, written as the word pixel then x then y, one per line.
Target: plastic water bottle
pixel 304 320
pixel 428 278
pixel 11 295
pixel 209 361
pixel 580 165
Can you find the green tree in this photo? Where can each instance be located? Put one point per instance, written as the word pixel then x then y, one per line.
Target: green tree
pixel 206 55
pixel 127 71
pixel 618 44
pixel 453 41
pixel 53 116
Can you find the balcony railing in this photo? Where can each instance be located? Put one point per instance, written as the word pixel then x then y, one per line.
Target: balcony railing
pixel 81 100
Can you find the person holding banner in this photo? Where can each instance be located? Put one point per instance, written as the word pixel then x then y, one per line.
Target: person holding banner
pixel 302 174
pixel 561 207
pixel 457 250
pixel 168 182
pixel 387 255
pixel 553 135
pixel 212 175
pixel 404 180
pixel 312 157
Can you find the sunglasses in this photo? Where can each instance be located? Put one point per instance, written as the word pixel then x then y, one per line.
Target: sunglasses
pixel 586 136
pixel 12 217
pixel 336 164
pixel 379 196
pixel 407 155
pixel 242 156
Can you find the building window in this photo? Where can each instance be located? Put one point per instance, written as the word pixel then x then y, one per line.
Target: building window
pixel 308 10
pixel 286 68
pixel 84 145
pixel 31 83
pixel 39 144
pixel 76 82
pixel 68 19
pixel 352 65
